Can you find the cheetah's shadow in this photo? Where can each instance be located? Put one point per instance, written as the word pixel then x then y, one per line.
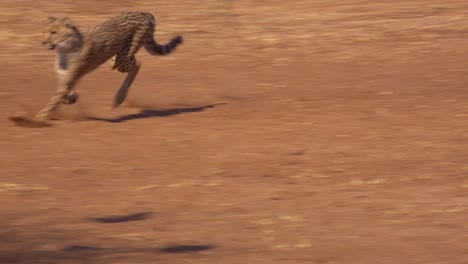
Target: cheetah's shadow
pixel 148 113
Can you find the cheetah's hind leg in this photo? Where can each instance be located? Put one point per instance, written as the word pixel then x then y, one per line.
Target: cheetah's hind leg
pixel 132 70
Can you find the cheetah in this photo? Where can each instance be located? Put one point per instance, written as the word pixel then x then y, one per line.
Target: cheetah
pixel 115 41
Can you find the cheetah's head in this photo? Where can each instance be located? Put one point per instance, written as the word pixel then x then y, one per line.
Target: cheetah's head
pixel 61 34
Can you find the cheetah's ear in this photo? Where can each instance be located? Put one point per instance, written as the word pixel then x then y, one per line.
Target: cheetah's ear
pixel 67 22
pixel 51 19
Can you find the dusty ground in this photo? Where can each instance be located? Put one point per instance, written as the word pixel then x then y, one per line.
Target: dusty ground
pixel 309 132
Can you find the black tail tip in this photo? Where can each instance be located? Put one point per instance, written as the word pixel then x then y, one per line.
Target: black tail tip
pixel 178 40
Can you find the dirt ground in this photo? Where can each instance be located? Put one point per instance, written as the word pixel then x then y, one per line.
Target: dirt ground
pixel 303 132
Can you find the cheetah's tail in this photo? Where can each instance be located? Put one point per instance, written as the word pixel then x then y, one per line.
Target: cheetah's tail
pixel 155 48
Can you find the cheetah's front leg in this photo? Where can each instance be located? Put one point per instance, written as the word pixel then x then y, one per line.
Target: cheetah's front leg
pixel 54 102
pixel 41 118
pixel 67 81
pixel 71 98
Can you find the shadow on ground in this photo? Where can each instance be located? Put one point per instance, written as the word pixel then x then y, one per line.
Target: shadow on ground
pixel 93 254
pixel 155 113
pixel 21 247
pixel 122 218
pixel 175 249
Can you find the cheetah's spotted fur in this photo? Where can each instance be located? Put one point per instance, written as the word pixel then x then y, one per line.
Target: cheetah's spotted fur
pixel 115 41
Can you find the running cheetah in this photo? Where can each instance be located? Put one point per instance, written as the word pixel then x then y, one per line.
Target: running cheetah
pixel 115 41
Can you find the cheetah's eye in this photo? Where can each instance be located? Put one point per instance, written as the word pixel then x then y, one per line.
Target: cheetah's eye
pixel 53 32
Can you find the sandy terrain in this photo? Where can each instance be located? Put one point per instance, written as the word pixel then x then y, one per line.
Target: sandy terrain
pixel 307 132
